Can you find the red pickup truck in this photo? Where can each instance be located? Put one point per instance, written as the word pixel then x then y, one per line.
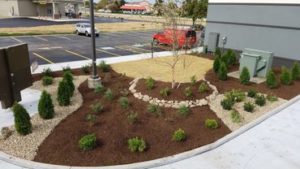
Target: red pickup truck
pixel 186 37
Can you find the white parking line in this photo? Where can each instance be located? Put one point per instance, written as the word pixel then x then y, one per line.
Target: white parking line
pixel 38 37
pixel 18 40
pixel 62 37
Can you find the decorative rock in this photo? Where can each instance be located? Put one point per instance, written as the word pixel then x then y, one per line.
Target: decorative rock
pixel 6 132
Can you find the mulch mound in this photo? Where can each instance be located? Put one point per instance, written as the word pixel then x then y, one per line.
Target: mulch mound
pixel 285 92
pixel 176 94
pixel 113 129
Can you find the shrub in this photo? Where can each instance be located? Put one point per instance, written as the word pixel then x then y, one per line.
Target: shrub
pixel 272 98
pixel 211 124
pixel 227 104
pixel 285 76
pixel 22 119
pixel 103 66
pixel 132 117
pixel 231 58
pixel 86 69
pixel 222 72
pixel 235 95
pixel 165 92
pixel 99 89
pixel 193 80
pixel 235 116
pixel 203 87
pixel 245 76
pixel 179 135
pixel 63 93
pixel 88 142
pixel 271 80
pixel 150 83
pixel 47 80
pixel 260 100
pixel 124 103
pixel 45 106
pixel 124 92
pixel 136 144
pixel 249 107
pixel 183 111
pixel 154 109
pixel 218 52
pixel 252 93
pixel 296 71
pixel 67 69
pixel 97 107
pixel 91 118
pixel 47 72
pixel 188 92
pixel 68 77
pixel 109 94
pixel 217 64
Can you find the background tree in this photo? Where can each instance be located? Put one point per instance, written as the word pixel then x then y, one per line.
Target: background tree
pixel 196 9
pixel 158 7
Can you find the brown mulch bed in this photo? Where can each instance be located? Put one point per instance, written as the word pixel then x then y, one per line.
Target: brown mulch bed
pixel 176 94
pixel 113 129
pixel 285 92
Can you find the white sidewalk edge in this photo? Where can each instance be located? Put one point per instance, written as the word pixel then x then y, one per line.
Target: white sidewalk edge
pixel 158 162
pixel 109 60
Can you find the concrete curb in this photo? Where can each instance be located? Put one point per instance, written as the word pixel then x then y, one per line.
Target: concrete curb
pixel 158 162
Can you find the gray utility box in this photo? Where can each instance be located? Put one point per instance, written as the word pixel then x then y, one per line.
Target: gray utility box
pixel 213 41
pixel 258 62
pixel 15 73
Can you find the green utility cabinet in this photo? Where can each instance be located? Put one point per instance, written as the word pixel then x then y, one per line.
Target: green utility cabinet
pixel 258 62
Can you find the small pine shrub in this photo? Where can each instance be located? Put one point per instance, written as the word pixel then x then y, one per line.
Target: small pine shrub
pixel 217 64
pixel 203 87
pixel 91 119
pixel 165 92
pixel 188 92
pixel 124 92
pixel 99 89
pixel 179 135
pixel 108 94
pixel 63 94
pixel 271 80
pixel 235 95
pixel 47 72
pixel 124 102
pixel 88 142
pixel 227 104
pixel 231 58
pixel 150 83
pixel 211 124
pixel 235 116
pixel 97 107
pixel 67 69
pixel 285 76
pixel 68 77
pixel 86 69
pixel 245 76
pixel 218 52
pixel 183 111
pixel 47 80
pixel 154 109
pixel 249 107
pixel 296 71
pixel 136 144
pixel 252 93
pixel 222 72
pixel 193 80
pixel 132 117
pixel 104 67
pixel 45 106
pixel 272 98
pixel 260 100
pixel 22 119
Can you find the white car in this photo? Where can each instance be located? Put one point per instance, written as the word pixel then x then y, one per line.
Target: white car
pixel 85 28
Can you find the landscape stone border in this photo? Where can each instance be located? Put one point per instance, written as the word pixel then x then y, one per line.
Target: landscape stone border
pixel 158 162
pixel 173 103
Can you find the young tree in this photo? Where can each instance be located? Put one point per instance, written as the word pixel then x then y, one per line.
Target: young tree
pixel 63 93
pixel 68 77
pixel 222 72
pixel 296 71
pixel 196 9
pixel 245 76
pixel 158 7
pixel 271 80
pixel 45 107
pixel 22 119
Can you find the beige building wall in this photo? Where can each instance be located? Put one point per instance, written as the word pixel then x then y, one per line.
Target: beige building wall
pixel 27 8
pixel 9 8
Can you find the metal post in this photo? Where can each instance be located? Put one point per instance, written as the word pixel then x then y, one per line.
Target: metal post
pixel 152 50
pixel 94 79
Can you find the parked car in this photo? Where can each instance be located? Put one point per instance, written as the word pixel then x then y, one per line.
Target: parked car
pixel 186 37
pixel 85 28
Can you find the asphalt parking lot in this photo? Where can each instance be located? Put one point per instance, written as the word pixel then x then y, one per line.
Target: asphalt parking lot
pixel 48 49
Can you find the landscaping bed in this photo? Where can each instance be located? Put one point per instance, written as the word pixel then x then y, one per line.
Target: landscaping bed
pixel 113 127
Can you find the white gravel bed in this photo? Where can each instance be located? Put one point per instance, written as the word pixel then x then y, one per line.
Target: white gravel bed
pixel 26 146
pixel 246 117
